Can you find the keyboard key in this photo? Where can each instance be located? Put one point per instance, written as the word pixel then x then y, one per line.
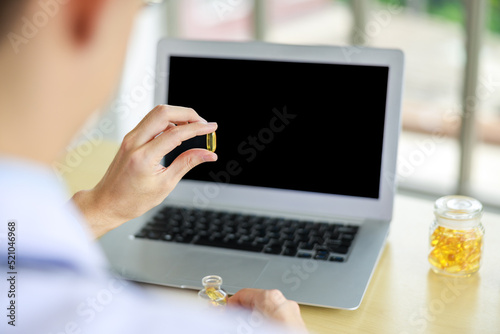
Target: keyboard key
pixel 153 235
pixel 348 229
pixel 181 239
pixel 316 240
pixel 273 249
pixel 230 245
pixel 322 255
pixel 347 236
pixel 306 245
pixel 339 249
pixel 339 242
pixel 301 238
pixel 304 255
pixel 290 251
pixel 262 240
pixel 274 235
pixel 303 231
pixel 167 237
pixel 141 234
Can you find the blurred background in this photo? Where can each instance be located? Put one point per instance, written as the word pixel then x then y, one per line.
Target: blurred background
pixel 451 105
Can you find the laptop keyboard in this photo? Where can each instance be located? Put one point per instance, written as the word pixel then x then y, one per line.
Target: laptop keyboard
pixel 260 234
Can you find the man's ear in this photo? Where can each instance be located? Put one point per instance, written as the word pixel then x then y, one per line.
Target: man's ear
pixel 84 18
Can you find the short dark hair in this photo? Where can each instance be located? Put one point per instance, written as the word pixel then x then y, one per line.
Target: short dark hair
pixel 9 12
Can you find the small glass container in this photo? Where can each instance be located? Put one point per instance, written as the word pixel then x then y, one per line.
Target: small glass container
pixel 212 290
pixel 456 236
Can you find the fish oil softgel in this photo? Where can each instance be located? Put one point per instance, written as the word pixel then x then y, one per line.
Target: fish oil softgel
pixel 455 251
pixel 212 290
pixel 456 236
pixel 212 142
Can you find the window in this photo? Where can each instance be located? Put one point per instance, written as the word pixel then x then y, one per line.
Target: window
pixel 433 35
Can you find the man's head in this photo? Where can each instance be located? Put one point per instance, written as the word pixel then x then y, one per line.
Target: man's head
pixel 8 10
pixel 59 61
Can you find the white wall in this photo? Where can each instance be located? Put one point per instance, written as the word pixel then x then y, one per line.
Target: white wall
pixel 135 93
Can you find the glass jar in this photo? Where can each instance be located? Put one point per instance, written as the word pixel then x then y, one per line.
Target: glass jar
pixel 212 290
pixel 456 236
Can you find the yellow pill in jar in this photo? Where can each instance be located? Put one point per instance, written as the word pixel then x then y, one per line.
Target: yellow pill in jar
pixel 218 297
pixel 211 142
pixel 454 251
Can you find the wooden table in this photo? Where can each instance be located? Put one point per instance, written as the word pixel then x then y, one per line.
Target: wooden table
pixel 404 296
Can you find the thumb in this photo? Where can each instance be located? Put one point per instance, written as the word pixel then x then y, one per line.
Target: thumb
pixel 187 161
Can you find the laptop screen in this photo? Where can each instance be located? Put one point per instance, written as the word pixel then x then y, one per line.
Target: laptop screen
pixel 290 125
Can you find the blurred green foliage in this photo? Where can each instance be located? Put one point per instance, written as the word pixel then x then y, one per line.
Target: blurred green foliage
pixel 494 16
pixel 453 10
pixel 450 10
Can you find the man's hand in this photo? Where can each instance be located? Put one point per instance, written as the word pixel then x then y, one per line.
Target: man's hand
pixel 272 304
pixel 136 181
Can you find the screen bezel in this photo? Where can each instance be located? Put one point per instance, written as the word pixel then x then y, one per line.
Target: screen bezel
pixel 291 201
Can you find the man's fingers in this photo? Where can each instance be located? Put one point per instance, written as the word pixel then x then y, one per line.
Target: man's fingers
pixel 268 302
pixel 257 298
pixel 272 304
pixel 159 119
pixel 247 298
pixel 174 136
pixel 185 162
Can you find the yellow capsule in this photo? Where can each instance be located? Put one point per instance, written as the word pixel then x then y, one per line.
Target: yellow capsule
pixel 218 297
pixel 456 251
pixel 211 142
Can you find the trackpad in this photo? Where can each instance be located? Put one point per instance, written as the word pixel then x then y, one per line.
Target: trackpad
pixel 238 271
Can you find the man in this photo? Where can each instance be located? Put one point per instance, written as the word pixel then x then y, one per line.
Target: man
pixel 59 61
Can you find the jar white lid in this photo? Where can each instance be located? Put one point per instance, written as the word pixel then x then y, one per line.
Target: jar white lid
pixel 458 211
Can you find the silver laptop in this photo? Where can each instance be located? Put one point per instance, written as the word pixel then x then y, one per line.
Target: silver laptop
pixel 302 195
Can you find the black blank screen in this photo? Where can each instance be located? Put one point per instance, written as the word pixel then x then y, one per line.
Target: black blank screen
pixel 299 126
